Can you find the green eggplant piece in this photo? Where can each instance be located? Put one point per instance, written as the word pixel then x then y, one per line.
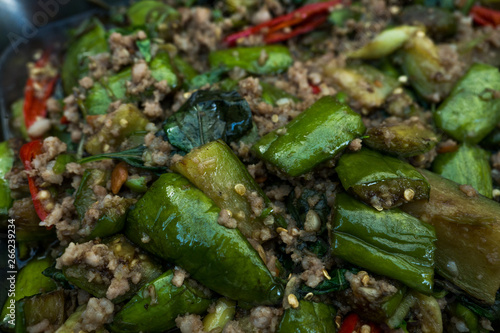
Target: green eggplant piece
pixel 103 93
pixel 225 310
pixel 472 110
pixel 27 222
pixel 316 135
pixel 112 213
pixel 422 65
pixel 6 162
pixel 181 225
pixel 220 175
pixel 469 165
pixel 148 12
pixel 468 236
pixel 28 282
pixel 75 64
pixel 126 120
pixel 387 182
pixel 430 318
pixel 468 317
pixel 277 60
pixel 138 185
pixel 390 243
pixel 271 94
pixel 309 317
pixel 438 23
pixel 34 309
pixel 404 139
pixel 376 86
pixel 385 43
pixel 126 253
pixel 156 306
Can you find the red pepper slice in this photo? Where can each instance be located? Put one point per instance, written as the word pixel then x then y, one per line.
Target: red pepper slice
pixel 315 89
pixel 34 104
pixel 349 323
pixel 485 16
pixel 305 19
pixel 27 153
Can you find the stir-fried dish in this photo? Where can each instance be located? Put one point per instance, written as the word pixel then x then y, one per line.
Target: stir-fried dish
pixel 259 166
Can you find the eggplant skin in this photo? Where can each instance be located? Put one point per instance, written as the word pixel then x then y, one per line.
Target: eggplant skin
pixel 180 223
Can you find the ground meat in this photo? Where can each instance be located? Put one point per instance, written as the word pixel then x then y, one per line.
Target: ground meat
pixel 190 324
pixel 157 152
pixel 86 82
pixel 265 319
pixel 102 263
pixel 121 47
pixel 99 311
pixel 226 219
pixel 355 145
pixel 313 271
pixel 232 327
pixel 179 276
pixel 42 327
pixel 99 64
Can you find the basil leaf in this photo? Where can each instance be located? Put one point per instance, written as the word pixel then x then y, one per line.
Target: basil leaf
pixel 208 116
pixel 144 47
pixel 336 283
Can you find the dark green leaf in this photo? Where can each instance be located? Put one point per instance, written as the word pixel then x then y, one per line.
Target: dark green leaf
pixel 208 116
pixel 212 76
pixel 58 276
pixel 132 157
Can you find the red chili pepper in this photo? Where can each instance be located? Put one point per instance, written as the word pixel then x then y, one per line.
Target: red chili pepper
pixel 304 19
pixel 27 153
pixel 315 89
pixel 34 104
pixel 485 16
pixel 349 323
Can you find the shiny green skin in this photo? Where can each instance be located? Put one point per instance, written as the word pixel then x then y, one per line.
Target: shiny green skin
pixel 112 219
pixel 76 63
pixel 149 12
pixel 142 313
pixel 390 243
pixel 468 165
pixel 126 252
pixel 181 223
pixel 34 309
pixel 27 286
pixel 471 112
pixel 247 58
pixel 114 88
pixel 384 182
pixel 316 135
pixel 309 317
pixel 6 161
pixel 468 317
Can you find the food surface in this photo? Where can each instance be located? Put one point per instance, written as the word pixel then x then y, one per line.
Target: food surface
pixel 241 166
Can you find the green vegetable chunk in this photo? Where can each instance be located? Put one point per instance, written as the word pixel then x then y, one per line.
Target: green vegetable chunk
pixel 422 65
pixel 468 233
pixel 309 317
pixel 376 85
pixel 27 222
pixel 468 165
pixel 316 135
pixel 112 211
pixel 72 321
pixel 6 161
pixel 125 253
pixel 387 182
pixel 390 243
pixel 34 309
pixel 207 116
pixel 472 110
pixel 26 286
pixel 408 138
pixel 149 12
pixel 217 171
pixel 277 59
pixel 181 225
pixel 156 306
pixel 124 122
pixel 75 65
pixel 385 43
pixel 225 310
